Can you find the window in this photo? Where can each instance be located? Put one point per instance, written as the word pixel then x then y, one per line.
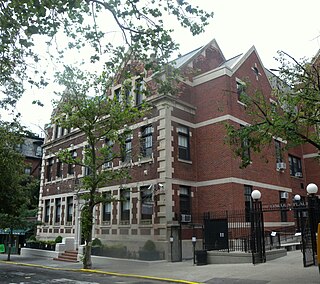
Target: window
pixel 247 202
pixel 38 151
pixel 69 208
pixel 56 131
pixel 146 141
pixel 109 154
pixel 241 90
pixel 49 169
pixel 27 171
pixel 123 94
pixel 106 208
pixel 117 94
pixel 139 87
pixel 279 158
pixel 47 211
pixel 58 210
pixel 185 200
pixel 184 142
pixel 87 171
pixel 146 202
pixel 295 166
pixel 125 205
pixel 72 166
pixel 127 94
pixel 59 168
pixel 127 148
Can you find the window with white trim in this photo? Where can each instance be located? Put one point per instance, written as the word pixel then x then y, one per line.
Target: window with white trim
pixel 127 149
pixel 185 200
pixel 146 202
pixel 139 88
pixel 49 169
pixel 57 215
pixel 184 142
pixel 146 141
pixel 69 208
pixel 241 89
pixel 106 208
pixel 47 211
pixel 125 205
pixel 295 166
pixel 71 167
pixel 279 157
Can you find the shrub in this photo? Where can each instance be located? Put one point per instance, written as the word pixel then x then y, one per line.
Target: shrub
pixel 96 243
pixel 149 246
pixel 31 239
pixel 58 239
pixel 149 252
pixel 115 251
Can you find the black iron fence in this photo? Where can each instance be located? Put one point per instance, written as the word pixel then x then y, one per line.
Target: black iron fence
pixel 231 231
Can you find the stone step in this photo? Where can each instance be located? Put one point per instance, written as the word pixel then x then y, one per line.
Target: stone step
pixel 68 256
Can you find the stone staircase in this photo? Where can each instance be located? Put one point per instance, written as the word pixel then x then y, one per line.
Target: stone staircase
pixel 69 256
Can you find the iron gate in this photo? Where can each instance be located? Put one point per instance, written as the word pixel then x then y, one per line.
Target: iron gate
pixel 306 237
pixel 215 234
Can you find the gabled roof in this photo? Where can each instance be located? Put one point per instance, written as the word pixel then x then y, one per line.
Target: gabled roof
pixel 185 59
pixel 229 66
pixel 230 63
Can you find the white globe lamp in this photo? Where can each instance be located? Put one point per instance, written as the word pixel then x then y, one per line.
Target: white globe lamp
pixel 297 197
pixel 312 188
pixel 256 194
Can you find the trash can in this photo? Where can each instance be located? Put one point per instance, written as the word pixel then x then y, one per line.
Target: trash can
pixel 201 257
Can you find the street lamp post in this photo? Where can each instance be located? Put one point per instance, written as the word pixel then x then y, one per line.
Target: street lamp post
pixel 194 241
pixel 297 199
pixel 312 189
pixel 171 245
pixel 257 229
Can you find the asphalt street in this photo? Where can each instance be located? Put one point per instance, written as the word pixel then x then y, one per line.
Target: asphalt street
pixel 285 270
pixel 16 274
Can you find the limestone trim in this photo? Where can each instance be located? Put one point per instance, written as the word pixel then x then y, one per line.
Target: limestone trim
pixel 210 121
pixel 312 155
pixel 231 180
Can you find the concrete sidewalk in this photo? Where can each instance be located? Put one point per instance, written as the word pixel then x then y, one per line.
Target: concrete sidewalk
pixel 288 269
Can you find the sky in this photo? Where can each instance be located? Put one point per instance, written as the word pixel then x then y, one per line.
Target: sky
pixel 237 25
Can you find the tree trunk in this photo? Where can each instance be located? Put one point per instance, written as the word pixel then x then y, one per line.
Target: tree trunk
pixel 87 263
pixel 87 233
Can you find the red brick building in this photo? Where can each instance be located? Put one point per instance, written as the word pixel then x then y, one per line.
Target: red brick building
pixel 32 152
pixel 185 168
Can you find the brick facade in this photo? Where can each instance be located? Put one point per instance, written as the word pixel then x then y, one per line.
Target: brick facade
pixel 210 176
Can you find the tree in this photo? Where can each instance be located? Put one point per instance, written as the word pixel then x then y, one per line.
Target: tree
pixel 12 195
pixel 292 115
pixel 134 29
pixel 98 118
pixel 144 38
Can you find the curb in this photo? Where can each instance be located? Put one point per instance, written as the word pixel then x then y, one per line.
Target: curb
pixel 102 272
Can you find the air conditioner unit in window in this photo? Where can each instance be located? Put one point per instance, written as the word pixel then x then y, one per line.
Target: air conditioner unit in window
pixel 298 174
pixel 185 218
pixel 284 195
pixel 281 166
pixel 107 165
